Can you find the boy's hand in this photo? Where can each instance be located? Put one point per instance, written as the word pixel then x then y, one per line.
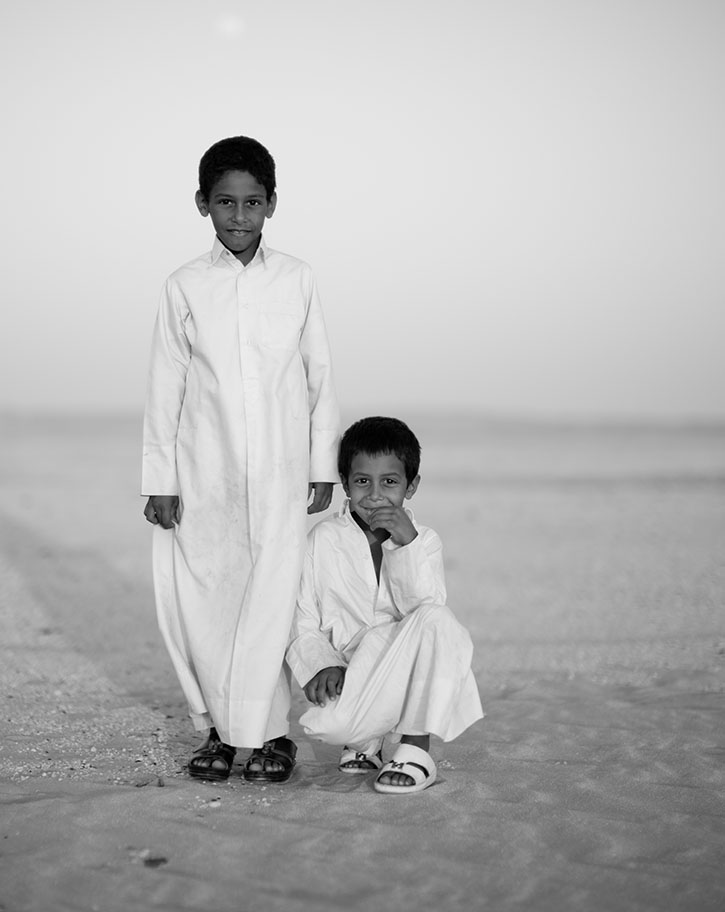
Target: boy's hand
pixel 325 686
pixel 323 496
pixel 162 510
pixel 396 521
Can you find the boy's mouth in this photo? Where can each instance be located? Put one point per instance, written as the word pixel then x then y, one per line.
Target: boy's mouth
pixel 368 510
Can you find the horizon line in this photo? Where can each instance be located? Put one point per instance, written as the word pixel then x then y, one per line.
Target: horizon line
pixel 480 417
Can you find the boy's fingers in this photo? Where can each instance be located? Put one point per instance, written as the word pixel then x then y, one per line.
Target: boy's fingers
pixel 162 510
pixel 383 513
pixel 322 692
pixel 165 518
pixel 311 691
pixel 381 522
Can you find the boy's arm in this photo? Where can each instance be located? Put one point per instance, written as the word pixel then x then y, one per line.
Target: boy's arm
pixel 170 355
pixel 309 649
pixel 415 571
pixel 324 411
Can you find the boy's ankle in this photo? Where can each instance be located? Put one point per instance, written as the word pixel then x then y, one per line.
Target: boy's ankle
pixel 421 741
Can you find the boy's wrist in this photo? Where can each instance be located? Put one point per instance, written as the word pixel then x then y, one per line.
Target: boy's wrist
pixel 392 544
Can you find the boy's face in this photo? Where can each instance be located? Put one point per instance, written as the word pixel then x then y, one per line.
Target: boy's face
pixel 377 480
pixel 238 207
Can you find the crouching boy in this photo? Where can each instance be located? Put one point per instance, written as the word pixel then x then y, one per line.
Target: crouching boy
pixel 373 644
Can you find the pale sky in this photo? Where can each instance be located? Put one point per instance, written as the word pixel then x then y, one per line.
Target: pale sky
pixel 514 207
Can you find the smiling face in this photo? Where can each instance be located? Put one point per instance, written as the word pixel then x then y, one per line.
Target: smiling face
pixel 377 480
pixel 238 207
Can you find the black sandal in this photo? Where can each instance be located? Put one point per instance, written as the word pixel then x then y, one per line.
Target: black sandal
pixel 282 750
pixel 212 749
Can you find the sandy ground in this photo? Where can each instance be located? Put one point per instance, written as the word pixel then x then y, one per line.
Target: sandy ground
pixel 592 582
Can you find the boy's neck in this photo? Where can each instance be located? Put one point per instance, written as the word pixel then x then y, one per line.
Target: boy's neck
pixel 245 257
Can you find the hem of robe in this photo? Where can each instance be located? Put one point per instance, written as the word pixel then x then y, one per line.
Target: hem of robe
pixel 257 718
pixel 395 734
pixel 367 747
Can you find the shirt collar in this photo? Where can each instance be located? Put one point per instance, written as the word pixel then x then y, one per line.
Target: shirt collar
pixel 218 250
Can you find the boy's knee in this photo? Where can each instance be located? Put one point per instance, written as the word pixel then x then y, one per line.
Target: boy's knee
pixel 438 617
pixel 439 622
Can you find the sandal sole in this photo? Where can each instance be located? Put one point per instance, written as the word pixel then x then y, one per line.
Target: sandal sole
pixel 260 776
pixel 210 778
pixel 358 770
pixel 384 789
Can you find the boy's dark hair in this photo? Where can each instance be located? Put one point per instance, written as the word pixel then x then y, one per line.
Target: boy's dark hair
pixel 375 436
pixel 237 153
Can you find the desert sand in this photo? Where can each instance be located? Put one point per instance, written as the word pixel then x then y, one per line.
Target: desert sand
pixel 588 564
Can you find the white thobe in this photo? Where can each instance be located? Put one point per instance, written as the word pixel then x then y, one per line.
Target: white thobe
pixel 241 415
pixel 407 659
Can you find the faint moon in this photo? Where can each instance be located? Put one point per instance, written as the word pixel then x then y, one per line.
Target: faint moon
pixel 230 26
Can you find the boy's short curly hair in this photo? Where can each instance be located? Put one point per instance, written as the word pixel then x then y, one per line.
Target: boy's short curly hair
pixel 237 153
pixel 375 436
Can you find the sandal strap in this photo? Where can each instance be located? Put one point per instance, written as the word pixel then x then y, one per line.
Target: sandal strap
pixel 280 746
pixel 277 749
pixel 352 756
pixel 214 750
pixel 411 761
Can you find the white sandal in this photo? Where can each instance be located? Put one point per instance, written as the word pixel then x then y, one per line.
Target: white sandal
pixel 352 756
pixel 411 761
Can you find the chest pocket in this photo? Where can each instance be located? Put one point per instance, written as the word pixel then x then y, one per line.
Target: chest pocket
pixel 280 328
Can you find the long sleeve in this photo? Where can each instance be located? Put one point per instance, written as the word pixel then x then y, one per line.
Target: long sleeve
pixel 324 411
pixel 170 355
pixel 310 649
pixel 415 571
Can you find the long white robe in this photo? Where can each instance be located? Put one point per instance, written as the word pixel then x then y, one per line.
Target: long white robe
pixel 240 416
pixel 407 659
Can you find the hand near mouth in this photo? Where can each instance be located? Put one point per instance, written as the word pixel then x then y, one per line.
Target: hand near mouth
pixel 395 521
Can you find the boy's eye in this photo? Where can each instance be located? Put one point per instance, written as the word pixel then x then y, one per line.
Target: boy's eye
pixel 361 481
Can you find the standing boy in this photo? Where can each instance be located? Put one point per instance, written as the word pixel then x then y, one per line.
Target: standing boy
pixel 241 417
pixel 373 644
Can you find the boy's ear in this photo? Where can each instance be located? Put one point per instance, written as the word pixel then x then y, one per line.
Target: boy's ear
pixel 271 205
pixel 343 482
pixel 412 487
pixel 201 203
